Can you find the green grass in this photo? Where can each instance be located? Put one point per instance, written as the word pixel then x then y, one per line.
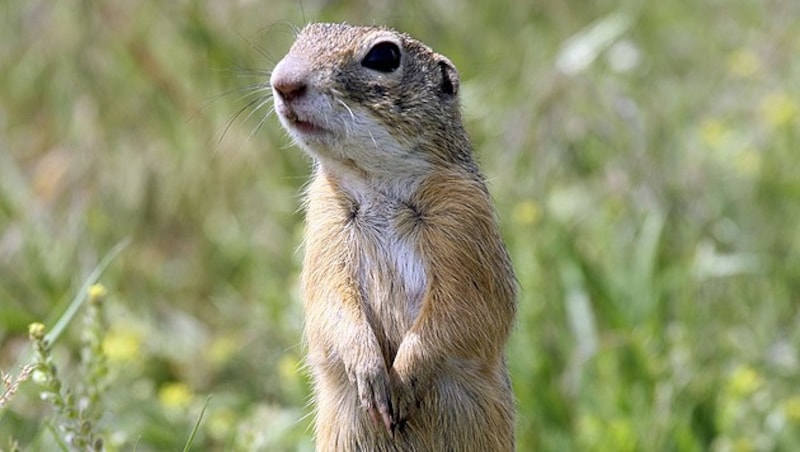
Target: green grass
pixel 649 192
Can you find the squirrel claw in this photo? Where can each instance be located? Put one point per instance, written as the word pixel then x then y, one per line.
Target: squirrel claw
pixel 387 422
pixel 381 416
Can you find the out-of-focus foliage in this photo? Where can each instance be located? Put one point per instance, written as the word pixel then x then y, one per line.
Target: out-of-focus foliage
pixel 643 157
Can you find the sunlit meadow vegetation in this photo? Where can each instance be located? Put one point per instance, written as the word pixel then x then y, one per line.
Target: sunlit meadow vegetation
pixel 643 157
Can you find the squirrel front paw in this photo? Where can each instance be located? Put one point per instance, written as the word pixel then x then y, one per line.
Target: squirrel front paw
pixel 405 398
pixel 374 391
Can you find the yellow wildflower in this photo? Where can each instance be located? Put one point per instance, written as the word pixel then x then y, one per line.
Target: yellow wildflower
pixel 778 109
pixel 122 344
pixel 713 133
pixel 527 212
pixel 221 423
pixel 175 395
pixel 96 292
pixel 792 408
pixel 221 349
pixel 744 381
pixel 744 63
pixel 36 330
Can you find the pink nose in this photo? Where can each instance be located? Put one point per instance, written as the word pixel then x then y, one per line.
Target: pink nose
pixel 289 79
pixel 289 89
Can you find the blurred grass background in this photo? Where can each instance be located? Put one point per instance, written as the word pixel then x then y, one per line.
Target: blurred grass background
pixel 643 157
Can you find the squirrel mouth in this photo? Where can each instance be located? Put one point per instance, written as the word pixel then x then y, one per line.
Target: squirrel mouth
pixel 306 127
pixel 302 126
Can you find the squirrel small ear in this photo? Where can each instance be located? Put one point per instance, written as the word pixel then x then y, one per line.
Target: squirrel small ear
pixel 450 81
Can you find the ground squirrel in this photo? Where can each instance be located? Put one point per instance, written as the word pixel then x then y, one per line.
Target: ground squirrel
pixel 408 289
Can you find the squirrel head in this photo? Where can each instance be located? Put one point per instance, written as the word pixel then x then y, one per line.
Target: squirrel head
pixel 370 98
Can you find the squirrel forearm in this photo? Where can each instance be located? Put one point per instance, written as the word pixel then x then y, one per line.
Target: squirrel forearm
pixel 469 306
pixel 456 322
pixel 339 326
pixel 340 337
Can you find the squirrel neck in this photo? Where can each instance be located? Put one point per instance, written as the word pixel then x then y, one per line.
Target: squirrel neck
pixel 357 184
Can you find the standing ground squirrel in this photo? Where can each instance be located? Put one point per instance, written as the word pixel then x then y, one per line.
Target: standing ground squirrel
pixel 409 291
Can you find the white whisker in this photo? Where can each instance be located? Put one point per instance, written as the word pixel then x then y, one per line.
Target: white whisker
pixel 259 100
pixel 264 101
pixel 349 110
pixel 261 122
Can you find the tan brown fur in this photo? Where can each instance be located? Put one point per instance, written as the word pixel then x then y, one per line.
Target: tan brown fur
pixel 400 362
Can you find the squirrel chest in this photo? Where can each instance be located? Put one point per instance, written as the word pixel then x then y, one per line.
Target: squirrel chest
pixel 376 236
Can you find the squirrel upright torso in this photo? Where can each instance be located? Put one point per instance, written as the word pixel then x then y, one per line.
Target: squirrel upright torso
pixel 408 290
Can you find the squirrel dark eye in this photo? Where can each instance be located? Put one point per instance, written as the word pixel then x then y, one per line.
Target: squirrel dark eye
pixel 382 57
